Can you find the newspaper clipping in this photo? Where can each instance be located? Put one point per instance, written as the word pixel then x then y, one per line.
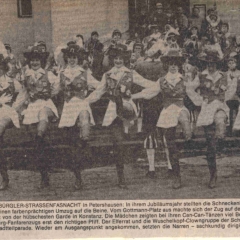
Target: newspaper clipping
pixel 119 118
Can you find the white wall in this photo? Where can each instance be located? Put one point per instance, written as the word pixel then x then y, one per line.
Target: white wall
pixel 16 31
pixel 57 21
pixel 22 32
pixel 72 17
pixel 42 25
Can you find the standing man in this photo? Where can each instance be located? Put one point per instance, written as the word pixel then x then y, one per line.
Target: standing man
pixel 150 110
pixel 182 24
pixel 141 24
pixel 159 17
pixel 115 43
pixel 171 20
pixel 195 20
pixel 94 49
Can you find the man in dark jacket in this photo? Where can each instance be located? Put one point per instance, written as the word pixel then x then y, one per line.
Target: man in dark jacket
pixel 159 17
pixel 95 49
pixel 182 23
pixel 141 24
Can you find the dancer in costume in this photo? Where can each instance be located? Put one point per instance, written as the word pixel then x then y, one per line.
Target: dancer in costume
pixel 172 87
pixel 11 101
pixel 121 111
pixel 75 83
pixel 208 90
pixel 41 86
pixel 231 96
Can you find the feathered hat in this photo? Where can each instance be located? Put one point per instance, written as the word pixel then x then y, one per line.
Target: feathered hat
pixel 116 31
pixel 115 52
pixel 74 50
pixel 36 52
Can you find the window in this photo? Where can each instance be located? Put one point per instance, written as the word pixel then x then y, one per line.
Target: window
pixel 24 8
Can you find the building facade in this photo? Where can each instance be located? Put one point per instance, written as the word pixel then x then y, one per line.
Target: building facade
pixel 58 21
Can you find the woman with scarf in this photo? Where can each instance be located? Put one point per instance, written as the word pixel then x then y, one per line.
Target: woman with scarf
pixel 172 87
pixel 211 26
pixel 75 83
pixel 41 86
pixel 209 90
pixel 118 83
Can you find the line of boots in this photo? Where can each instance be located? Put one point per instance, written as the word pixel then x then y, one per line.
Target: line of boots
pixel 79 156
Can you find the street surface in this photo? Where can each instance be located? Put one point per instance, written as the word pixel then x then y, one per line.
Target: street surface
pixel 100 183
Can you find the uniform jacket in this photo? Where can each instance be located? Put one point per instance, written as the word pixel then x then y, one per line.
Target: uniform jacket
pixel 173 89
pixel 76 82
pixel 160 19
pixel 171 86
pixel 212 88
pixel 118 81
pixel 9 86
pixel 93 47
pixel 37 84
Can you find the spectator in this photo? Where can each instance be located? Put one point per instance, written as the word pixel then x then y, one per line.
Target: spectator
pixel 171 20
pixel 224 37
pixel 182 24
pixel 192 44
pixel 95 54
pixel 137 54
pixel 9 50
pixel 155 33
pixel 211 25
pixel 116 41
pixel 159 17
pixel 141 24
pixel 195 19
pixel 231 96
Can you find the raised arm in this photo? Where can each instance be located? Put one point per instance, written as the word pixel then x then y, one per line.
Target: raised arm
pixel 148 93
pixel 21 98
pixel 141 81
pixel 92 82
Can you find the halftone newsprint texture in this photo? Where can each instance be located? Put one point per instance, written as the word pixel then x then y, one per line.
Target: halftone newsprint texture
pixel 119 118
